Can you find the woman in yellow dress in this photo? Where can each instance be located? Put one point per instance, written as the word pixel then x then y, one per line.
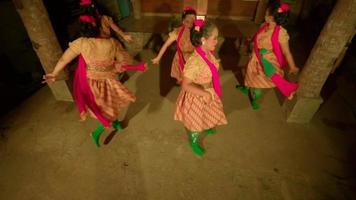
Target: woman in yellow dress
pixel 271 53
pixel 199 106
pixel 184 47
pixel 96 89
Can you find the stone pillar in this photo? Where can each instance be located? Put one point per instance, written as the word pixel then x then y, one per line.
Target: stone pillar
pixel 136 4
pixel 261 11
pixel 44 42
pixel 330 44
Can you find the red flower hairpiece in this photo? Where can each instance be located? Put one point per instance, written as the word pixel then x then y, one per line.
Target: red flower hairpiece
pixel 284 7
pixel 198 23
pixel 87 19
pixel 188 8
pixel 85 2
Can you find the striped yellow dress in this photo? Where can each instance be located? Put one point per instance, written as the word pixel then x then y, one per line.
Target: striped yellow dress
pixel 187 50
pixel 255 76
pixel 100 54
pixel 191 110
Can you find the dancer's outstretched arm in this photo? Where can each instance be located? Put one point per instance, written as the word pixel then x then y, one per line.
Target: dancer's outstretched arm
pixel 66 58
pixel 168 42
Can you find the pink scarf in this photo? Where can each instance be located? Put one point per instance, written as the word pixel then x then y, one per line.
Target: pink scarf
pixel 138 67
pixel 214 71
pixel 179 51
pixel 275 44
pixel 83 96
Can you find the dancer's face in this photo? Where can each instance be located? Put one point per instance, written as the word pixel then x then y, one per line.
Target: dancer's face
pixel 211 42
pixel 188 21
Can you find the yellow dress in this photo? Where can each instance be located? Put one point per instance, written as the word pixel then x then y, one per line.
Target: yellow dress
pixel 255 76
pixel 100 55
pixel 191 109
pixel 187 49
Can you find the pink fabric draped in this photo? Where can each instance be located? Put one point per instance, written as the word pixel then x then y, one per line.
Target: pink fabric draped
pixel 179 51
pixel 284 86
pixel 139 67
pixel 214 71
pixel 275 45
pixel 83 96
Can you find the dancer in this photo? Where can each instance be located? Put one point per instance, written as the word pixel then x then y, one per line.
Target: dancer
pixel 184 47
pixel 199 106
pixel 271 50
pixel 96 89
pixel 107 25
pixel 106 22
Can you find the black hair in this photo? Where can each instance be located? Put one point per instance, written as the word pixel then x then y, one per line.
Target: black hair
pixel 188 12
pixel 89 29
pixel 279 18
pixel 205 31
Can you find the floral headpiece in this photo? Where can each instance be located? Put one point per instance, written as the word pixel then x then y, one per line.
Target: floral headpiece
pixel 187 8
pixel 85 2
pixel 198 23
pixel 87 19
pixel 284 7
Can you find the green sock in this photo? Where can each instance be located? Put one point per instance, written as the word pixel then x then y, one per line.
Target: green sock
pixel 256 95
pixel 194 143
pixel 210 131
pixel 95 135
pixel 116 125
pixel 242 89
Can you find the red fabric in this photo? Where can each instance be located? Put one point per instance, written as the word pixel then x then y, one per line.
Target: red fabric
pixel 275 45
pixel 214 71
pixel 83 95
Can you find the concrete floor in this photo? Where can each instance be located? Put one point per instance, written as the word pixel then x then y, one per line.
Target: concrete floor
pixel 46 153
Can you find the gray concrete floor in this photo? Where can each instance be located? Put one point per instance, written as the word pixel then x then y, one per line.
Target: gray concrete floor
pixel 46 153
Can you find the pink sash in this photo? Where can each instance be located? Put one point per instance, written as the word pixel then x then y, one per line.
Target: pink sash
pixel 139 67
pixel 83 96
pixel 275 45
pixel 214 71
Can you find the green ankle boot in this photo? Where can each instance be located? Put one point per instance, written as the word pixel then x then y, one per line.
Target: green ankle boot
pixel 256 95
pixel 116 125
pixel 210 131
pixel 194 143
pixel 95 135
pixel 242 89
pixel 255 105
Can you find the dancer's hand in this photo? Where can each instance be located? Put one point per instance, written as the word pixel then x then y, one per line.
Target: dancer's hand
pixel 294 70
pixel 127 38
pixel 146 67
pixel 155 60
pixel 118 68
pixel 49 78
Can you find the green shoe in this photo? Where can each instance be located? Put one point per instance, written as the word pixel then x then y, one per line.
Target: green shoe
pixel 256 95
pixel 194 143
pixel 210 131
pixel 95 135
pixel 116 125
pixel 242 89
pixel 255 105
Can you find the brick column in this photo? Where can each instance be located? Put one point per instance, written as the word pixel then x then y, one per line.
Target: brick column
pixel 44 42
pixel 333 38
